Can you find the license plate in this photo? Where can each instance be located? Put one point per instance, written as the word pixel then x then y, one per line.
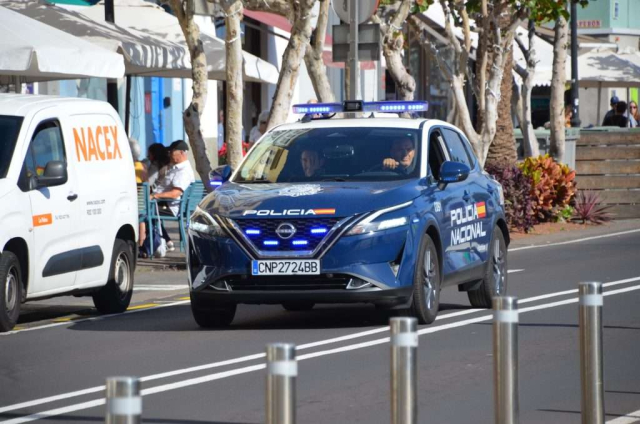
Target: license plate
pixel 286 267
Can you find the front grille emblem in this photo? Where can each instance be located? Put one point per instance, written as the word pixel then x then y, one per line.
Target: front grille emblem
pixel 285 231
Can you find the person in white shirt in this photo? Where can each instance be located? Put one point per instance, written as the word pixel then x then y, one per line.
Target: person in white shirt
pixel 178 176
pixel 260 128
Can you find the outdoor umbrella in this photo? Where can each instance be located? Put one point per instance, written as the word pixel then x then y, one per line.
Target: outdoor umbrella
pixel 33 51
pixel 606 68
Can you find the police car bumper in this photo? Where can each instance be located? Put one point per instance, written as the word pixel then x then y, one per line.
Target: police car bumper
pixel 365 268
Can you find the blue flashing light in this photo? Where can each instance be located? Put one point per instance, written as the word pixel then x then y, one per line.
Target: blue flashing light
pixel 271 242
pixel 300 242
pixel 396 107
pixel 318 108
pixel 385 107
pixel 252 232
pixel 319 230
pixel 215 183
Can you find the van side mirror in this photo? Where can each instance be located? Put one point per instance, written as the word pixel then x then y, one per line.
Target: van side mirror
pixel 219 175
pixel 55 173
pixel 452 172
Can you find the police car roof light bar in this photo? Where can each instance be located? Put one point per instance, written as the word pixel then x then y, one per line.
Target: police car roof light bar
pixel 360 106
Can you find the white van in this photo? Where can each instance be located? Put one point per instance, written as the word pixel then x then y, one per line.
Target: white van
pixel 68 203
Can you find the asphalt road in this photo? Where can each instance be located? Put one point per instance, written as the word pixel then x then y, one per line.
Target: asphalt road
pixel 54 371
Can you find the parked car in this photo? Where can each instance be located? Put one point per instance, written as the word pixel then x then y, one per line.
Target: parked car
pixel 68 204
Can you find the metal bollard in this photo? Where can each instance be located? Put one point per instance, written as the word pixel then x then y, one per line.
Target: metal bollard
pixel 591 368
pixel 124 404
pixel 404 380
pixel 282 370
pixel 505 359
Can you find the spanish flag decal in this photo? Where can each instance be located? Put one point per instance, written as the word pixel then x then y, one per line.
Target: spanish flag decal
pixel 482 210
pixel 324 211
pixel 39 220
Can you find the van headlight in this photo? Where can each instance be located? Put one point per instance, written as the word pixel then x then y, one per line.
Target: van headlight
pixel 371 223
pixel 204 223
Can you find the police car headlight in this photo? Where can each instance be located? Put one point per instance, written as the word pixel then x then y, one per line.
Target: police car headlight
pixel 204 223
pixel 500 193
pixel 387 224
pixel 389 220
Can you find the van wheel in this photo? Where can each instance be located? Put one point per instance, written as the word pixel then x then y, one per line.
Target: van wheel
pixel 494 282
pixel 298 306
pixel 115 296
pixel 10 290
pixel 426 284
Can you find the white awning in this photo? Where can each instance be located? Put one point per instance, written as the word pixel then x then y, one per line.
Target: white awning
pixel 606 68
pixel 150 39
pixel 34 51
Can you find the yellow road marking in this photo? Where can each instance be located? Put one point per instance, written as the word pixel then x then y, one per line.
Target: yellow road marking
pixel 66 319
pixel 184 298
pixel 146 305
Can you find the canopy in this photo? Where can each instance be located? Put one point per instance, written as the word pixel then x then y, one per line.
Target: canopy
pixel 34 51
pixel 154 48
pixel 150 19
pixel 606 68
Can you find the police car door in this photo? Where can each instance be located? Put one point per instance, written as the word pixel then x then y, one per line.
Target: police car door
pixel 445 198
pixel 470 232
pixel 53 210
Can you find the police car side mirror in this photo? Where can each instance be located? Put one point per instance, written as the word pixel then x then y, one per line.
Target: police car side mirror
pixel 55 173
pixel 452 172
pixel 219 175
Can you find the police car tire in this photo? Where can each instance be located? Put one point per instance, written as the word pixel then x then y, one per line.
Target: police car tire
pixel 419 308
pixel 110 299
pixel 10 270
pixel 482 297
pixel 218 316
pixel 298 306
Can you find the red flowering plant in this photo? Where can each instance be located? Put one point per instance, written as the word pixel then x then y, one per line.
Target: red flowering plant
pixel 223 152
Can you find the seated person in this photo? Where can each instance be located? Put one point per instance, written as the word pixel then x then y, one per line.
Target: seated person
pixel 402 157
pixel 312 163
pixel 617 120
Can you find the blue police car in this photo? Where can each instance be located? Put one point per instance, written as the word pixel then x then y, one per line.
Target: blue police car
pixel 385 211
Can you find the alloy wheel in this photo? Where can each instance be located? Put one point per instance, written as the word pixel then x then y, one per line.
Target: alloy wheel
pixel 498 265
pixel 430 283
pixel 122 275
pixel 11 290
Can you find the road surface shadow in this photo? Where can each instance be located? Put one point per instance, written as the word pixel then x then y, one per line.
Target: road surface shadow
pixel 608 414
pixel 146 420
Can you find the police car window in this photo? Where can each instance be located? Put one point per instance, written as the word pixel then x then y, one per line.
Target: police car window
pixel 333 154
pixel 457 151
pixel 9 128
pixel 46 145
pixel 436 156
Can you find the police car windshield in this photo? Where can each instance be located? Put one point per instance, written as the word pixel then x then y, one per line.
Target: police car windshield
pixel 9 129
pixel 333 154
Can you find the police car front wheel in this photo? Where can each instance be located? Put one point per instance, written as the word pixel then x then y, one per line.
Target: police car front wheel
pixel 10 290
pixel 494 282
pixel 210 314
pixel 426 285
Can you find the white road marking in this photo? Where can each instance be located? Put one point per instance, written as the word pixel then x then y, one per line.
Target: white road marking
pixel 159 287
pixel 537 246
pixel 247 369
pixel 633 417
pixel 513 271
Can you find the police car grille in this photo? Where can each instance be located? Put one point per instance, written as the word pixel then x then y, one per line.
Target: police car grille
pixel 291 282
pixel 267 228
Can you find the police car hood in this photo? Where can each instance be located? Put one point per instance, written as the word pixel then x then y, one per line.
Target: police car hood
pixel 339 199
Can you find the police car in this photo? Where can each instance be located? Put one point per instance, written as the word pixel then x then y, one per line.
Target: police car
pixel 385 211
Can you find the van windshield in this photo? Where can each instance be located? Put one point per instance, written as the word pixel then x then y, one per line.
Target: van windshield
pixel 333 154
pixel 9 129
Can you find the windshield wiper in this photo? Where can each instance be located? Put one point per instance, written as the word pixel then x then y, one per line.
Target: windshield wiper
pixel 265 181
pixel 338 179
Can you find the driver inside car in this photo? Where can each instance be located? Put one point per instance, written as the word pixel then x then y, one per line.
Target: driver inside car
pixel 402 152
pixel 312 163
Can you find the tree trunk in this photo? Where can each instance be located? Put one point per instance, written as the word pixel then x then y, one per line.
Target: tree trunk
pixel 503 147
pixel 313 56
pixel 558 81
pixel 235 83
pixel 300 34
pixel 192 114
pixel 392 47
